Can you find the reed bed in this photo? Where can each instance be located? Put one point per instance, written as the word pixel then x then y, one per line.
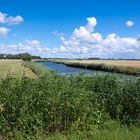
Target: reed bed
pixel 125 67
pixel 126 63
pixel 88 107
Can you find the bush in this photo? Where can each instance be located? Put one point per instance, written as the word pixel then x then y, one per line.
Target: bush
pixel 26 59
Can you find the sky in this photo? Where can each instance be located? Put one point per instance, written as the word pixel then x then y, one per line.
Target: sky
pixel 71 28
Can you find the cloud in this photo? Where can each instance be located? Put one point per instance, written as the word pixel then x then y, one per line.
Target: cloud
pixel 10 20
pixel 31 46
pixel 138 38
pixel 33 42
pixel 6 19
pixel 14 20
pixel 129 23
pixel 2 17
pixel 58 34
pixel 91 24
pixel 3 32
pixel 84 42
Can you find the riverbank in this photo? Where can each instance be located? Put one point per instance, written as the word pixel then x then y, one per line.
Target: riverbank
pixel 115 66
pixel 14 68
pixel 102 106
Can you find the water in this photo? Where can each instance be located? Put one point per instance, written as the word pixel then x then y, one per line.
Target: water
pixel 64 69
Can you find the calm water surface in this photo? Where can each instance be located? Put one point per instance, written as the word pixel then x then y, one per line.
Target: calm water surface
pixel 63 69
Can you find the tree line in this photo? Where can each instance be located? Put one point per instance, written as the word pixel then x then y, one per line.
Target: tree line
pixel 23 56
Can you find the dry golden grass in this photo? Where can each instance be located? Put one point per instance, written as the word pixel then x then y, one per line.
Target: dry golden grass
pixel 14 68
pixel 126 63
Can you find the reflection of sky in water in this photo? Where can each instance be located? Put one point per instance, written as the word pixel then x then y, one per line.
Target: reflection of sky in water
pixel 63 69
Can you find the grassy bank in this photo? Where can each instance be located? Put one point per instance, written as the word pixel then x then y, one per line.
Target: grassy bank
pixel 116 66
pixel 14 68
pixel 73 107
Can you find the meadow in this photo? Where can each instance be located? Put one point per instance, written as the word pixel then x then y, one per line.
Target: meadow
pixel 116 66
pixel 14 68
pixel 52 106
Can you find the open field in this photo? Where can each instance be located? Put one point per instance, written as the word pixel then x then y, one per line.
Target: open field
pixel 14 68
pixel 126 63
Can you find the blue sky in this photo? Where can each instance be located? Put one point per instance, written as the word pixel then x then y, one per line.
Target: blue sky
pixel 47 21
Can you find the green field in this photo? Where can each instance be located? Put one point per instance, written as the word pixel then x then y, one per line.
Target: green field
pixel 14 68
pixel 52 106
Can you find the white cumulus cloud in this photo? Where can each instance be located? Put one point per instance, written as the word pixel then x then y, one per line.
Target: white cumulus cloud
pixel 14 20
pixel 2 17
pixel 91 24
pixel 33 42
pixel 31 46
pixel 3 32
pixel 84 42
pixel 6 19
pixel 10 20
pixel 129 23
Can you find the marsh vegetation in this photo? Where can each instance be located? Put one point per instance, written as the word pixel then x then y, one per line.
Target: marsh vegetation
pixel 115 66
pixel 53 106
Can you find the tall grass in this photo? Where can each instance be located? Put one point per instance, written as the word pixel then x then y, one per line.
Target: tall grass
pixel 55 103
pixel 102 67
pixel 38 69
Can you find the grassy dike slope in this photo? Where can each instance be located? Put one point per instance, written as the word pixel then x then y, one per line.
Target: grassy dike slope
pixel 14 68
